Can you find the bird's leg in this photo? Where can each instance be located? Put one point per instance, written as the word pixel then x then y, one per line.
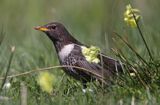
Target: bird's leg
pixel 84 83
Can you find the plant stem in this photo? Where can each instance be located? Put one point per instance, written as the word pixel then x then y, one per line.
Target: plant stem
pixel 8 68
pixel 142 36
pixel 132 49
pixel 54 67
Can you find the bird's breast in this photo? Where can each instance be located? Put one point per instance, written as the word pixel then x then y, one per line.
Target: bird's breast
pixel 65 51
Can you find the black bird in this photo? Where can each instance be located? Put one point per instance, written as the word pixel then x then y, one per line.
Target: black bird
pixel 69 51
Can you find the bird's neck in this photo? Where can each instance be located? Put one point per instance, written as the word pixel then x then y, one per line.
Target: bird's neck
pixel 60 44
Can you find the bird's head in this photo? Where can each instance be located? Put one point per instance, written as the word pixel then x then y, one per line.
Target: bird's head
pixel 55 31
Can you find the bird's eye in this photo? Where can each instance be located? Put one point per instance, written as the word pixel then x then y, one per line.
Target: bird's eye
pixel 54 27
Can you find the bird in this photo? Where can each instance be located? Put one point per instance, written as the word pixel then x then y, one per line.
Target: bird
pixel 69 52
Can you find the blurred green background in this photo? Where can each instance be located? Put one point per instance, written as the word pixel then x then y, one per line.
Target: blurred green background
pixel 90 21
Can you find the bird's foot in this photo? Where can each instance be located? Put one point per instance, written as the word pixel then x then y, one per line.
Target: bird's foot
pixel 87 90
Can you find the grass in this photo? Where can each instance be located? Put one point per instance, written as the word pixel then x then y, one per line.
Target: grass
pixel 92 23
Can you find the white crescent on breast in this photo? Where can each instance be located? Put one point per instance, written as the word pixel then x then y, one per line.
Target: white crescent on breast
pixel 65 51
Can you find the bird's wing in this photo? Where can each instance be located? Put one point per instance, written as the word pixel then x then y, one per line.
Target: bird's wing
pixel 104 70
pixel 93 69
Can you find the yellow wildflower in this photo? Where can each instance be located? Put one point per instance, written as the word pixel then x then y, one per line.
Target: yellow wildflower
pixel 91 54
pixel 129 17
pixel 46 81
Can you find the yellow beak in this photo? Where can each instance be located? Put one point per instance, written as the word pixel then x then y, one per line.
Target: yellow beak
pixel 41 28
